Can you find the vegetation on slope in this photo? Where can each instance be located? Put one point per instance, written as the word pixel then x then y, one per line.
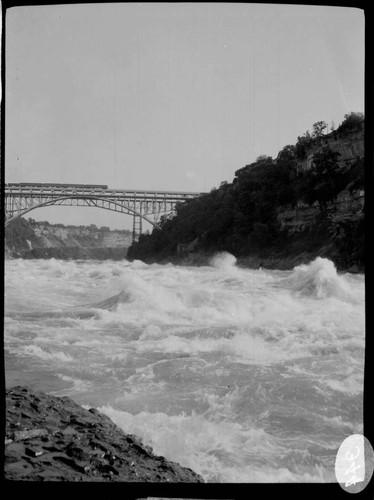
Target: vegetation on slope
pixel 242 217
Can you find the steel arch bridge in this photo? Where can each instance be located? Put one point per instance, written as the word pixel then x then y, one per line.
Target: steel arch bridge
pixel 21 198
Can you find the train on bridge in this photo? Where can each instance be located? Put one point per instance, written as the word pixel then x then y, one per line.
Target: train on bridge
pixel 54 184
pixel 49 185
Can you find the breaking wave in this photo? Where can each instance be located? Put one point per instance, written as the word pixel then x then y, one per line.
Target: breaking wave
pixel 320 280
pixel 223 261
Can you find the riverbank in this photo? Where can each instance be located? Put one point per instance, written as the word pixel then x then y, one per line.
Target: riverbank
pixel 255 261
pixel 48 438
pixel 289 249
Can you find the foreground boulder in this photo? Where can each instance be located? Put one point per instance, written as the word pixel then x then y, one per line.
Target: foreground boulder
pixel 50 438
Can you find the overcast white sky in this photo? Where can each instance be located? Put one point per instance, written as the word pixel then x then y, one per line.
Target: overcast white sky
pixel 169 96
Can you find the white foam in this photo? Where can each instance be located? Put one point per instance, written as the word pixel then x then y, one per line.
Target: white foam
pixel 319 279
pixel 191 440
pixel 214 449
pixel 224 261
pixel 36 351
pixel 353 384
pixel 156 340
pixel 242 346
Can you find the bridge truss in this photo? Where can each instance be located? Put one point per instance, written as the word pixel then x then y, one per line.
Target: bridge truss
pixel 141 205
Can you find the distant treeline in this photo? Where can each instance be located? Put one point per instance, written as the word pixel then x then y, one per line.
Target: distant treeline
pixel 241 217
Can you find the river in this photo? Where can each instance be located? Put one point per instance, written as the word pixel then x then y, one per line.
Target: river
pixel 242 375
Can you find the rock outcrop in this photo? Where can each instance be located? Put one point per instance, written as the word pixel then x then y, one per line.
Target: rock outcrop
pixel 350 144
pixel 49 438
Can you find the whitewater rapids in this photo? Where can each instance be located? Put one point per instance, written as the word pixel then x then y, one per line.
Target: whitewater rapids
pixel 242 375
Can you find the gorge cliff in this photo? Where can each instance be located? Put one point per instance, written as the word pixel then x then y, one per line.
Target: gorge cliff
pixel 29 239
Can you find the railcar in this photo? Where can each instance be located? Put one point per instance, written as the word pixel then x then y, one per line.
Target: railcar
pixel 48 184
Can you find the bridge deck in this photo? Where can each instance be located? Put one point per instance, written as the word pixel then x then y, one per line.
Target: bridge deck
pixel 51 191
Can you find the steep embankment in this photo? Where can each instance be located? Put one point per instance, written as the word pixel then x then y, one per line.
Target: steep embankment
pixel 303 235
pixel 277 213
pixel 287 252
pixel 48 438
pixel 37 240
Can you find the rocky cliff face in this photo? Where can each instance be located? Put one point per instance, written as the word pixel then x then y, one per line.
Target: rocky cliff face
pixel 294 220
pixel 31 239
pixel 349 144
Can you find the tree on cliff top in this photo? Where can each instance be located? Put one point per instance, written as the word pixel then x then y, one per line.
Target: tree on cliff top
pixel 318 129
pixel 302 144
pixel 350 120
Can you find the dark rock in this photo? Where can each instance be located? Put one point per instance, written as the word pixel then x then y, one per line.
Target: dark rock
pixel 76 421
pixel 49 475
pixel 69 462
pixel 65 442
pixel 14 451
pixel 75 451
pixel 110 469
pixel 97 445
pixel 52 448
pixel 17 470
pixel 141 450
pixel 33 452
pixel 69 431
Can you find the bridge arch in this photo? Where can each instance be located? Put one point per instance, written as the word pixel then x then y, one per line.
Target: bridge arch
pixel 125 209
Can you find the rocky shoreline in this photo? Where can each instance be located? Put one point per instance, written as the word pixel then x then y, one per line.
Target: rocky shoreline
pixel 49 438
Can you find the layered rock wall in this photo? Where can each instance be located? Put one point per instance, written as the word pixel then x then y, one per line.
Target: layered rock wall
pixel 349 143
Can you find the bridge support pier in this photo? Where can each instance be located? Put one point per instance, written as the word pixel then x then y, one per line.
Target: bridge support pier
pixel 136 227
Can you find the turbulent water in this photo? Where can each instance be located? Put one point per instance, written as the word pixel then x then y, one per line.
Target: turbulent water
pixel 242 375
